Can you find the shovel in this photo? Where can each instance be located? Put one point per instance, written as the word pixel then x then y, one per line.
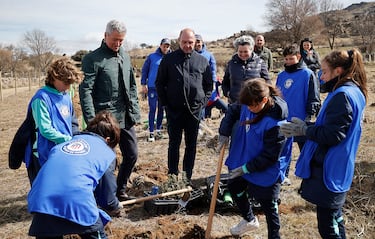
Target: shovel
pixel 214 193
pixel 185 191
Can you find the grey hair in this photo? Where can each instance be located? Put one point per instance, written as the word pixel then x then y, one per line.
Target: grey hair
pixel 244 40
pixel 115 25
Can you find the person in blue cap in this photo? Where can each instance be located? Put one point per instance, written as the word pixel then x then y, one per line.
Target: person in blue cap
pixel 149 72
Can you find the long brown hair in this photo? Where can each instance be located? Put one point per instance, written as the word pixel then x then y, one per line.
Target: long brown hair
pixel 105 125
pixel 253 91
pixel 352 64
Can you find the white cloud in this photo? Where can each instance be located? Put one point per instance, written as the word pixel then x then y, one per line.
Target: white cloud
pixel 78 25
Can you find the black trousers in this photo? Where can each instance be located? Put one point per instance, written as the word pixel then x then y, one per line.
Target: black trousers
pixel 330 223
pixel 44 226
pixel 33 169
pixel 129 149
pixel 189 124
pixel 241 190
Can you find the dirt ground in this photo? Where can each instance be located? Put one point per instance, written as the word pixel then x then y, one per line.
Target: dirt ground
pixel 297 217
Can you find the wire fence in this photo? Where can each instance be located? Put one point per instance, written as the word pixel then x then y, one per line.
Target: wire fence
pixel 12 85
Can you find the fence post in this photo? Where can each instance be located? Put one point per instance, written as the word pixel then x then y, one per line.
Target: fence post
pixel 29 78
pixel 1 87
pixel 15 81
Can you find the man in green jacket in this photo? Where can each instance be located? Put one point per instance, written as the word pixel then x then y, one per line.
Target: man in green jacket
pixel 109 84
pixel 263 52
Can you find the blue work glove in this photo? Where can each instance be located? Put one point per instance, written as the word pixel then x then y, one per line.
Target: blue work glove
pixel 223 140
pixel 238 172
pixel 296 127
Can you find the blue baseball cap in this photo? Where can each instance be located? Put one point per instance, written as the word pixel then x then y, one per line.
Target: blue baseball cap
pixel 165 41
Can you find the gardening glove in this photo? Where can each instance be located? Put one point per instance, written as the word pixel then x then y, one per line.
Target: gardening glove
pixel 308 119
pixel 296 127
pixel 238 172
pixel 223 140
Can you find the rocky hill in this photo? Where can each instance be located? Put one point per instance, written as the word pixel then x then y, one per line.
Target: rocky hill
pixel 223 48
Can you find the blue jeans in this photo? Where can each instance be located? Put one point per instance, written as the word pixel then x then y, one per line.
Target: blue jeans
pixel 153 106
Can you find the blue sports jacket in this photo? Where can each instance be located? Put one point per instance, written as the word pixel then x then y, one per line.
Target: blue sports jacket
pixel 339 158
pixel 65 184
pixel 150 68
pixel 61 115
pixel 258 145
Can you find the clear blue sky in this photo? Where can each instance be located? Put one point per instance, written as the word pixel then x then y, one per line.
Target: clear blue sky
pixel 80 25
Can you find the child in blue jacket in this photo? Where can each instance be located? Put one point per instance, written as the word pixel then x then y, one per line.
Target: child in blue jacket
pixel 299 89
pixel 53 113
pixel 76 183
pixel 326 163
pixel 255 161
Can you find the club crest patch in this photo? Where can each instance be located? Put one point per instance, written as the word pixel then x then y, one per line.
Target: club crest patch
pixel 247 127
pixel 77 146
pixel 65 111
pixel 288 83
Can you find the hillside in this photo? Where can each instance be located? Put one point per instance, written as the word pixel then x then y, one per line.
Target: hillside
pixel 223 48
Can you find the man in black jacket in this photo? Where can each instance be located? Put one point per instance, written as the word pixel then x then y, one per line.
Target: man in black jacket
pixel 184 84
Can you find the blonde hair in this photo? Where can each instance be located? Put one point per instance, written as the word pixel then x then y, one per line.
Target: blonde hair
pixel 65 70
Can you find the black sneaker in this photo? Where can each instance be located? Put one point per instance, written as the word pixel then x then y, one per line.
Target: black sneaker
pixel 159 135
pixel 125 197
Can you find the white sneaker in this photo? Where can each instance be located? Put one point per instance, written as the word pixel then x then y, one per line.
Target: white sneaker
pixel 151 138
pixel 244 226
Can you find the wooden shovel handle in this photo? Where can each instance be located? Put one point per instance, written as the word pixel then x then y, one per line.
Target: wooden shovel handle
pixel 214 193
pixel 151 197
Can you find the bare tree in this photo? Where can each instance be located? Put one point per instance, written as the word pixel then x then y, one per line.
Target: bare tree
pixel 13 60
pixel 5 59
pixel 292 17
pixel 365 28
pixel 17 60
pixel 41 46
pixel 332 17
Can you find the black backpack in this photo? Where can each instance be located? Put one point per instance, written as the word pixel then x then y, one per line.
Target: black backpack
pixel 24 136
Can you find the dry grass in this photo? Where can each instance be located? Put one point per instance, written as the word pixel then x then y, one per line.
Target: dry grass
pixel 297 217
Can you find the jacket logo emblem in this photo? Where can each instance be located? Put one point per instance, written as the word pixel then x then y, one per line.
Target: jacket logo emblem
pixel 76 146
pixel 288 83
